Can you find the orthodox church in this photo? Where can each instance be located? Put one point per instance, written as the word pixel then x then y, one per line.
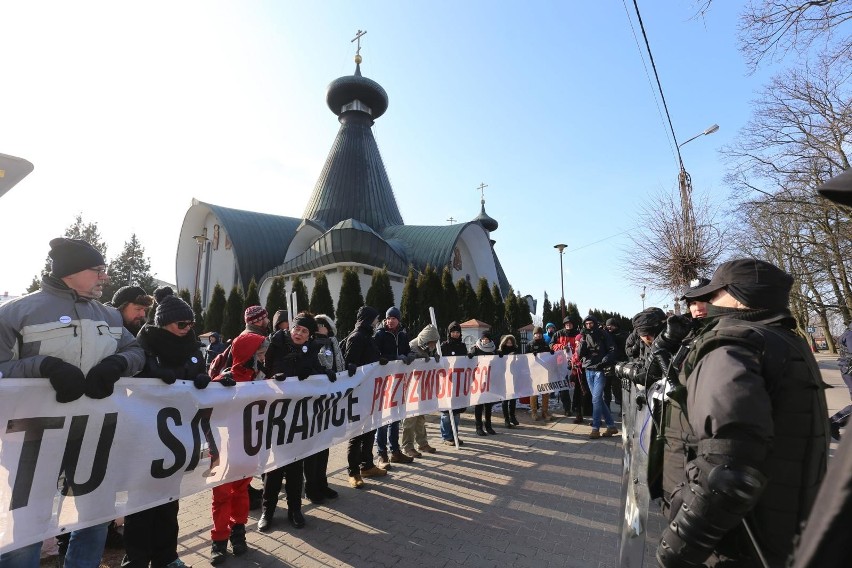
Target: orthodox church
pixel 351 221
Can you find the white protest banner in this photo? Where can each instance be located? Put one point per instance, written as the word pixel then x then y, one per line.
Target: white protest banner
pixel 67 466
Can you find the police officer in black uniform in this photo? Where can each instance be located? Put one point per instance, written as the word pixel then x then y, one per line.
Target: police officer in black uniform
pixel 756 408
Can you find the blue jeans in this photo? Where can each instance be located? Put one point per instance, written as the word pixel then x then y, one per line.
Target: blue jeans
pixel 597 382
pixel 447 427
pixel 26 557
pixel 388 435
pixel 86 547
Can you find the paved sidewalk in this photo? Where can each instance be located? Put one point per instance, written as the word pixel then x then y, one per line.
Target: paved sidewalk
pixel 539 496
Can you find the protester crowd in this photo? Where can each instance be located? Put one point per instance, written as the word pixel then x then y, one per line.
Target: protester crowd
pixel 720 470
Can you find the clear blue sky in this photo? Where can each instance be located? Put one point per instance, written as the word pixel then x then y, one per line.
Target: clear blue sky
pixel 130 111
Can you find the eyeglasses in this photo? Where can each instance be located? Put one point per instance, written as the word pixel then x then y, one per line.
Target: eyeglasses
pixel 184 324
pixel 101 271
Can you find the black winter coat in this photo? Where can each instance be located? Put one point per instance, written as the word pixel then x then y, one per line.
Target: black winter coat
pixel 284 356
pixel 165 350
pixel 359 348
pixel 596 349
pixel 392 346
pixel 450 348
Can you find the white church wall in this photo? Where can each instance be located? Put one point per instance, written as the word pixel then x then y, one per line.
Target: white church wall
pixel 217 262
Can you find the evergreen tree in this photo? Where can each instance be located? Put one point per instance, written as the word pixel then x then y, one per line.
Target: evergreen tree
pixel 549 314
pixel 130 268
pixel 511 313
pixel 486 302
pixel 233 319
pixel 321 301
pixel 380 294
pixel 349 302
pixel 79 229
pixel 277 297
pixel 302 302
pixel 499 310
pixel 524 316
pixel 252 296
pixel 409 304
pixel 199 314
pixel 572 311
pixel 468 303
pixel 428 296
pixel 216 309
pixel 451 311
pixel 184 295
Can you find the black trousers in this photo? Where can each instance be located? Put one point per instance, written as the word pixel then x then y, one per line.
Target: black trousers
pixel 509 408
pixel 316 468
pixel 565 399
pixel 294 475
pixel 359 453
pixel 477 414
pixel 151 536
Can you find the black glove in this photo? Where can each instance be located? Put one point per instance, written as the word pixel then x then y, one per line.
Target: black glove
pixel 201 380
pixel 351 368
pixel 470 355
pixel 227 380
pixel 437 358
pixel 499 355
pixel 383 361
pixel 332 376
pixel 279 376
pixel 100 380
pixel 408 359
pixel 66 379
pixel 162 373
pixel 303 374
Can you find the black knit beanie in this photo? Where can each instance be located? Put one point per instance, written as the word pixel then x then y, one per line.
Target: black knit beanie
pixel 70 256
pixel 171 309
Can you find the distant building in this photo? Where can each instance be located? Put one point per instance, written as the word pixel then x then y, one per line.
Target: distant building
pixel 6 297
pixel 351 221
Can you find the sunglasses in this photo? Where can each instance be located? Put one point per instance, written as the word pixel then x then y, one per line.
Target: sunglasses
pixel 184 324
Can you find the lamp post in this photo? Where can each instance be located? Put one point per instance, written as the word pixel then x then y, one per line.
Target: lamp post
pixel 200 239
pixel 642 295
pixel 561 248
pixel 685 186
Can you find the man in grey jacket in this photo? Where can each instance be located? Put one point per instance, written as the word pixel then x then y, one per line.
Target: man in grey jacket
pixel 63 334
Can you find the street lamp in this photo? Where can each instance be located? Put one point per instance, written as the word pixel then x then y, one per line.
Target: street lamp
pixel 642 295
pixel 685 186
pixel 561 249
pixel 200 239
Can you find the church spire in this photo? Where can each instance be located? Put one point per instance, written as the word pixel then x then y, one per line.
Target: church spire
pixel 488 223
pixel 353 183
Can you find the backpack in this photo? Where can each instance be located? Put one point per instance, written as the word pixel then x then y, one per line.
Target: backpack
pixel 220 362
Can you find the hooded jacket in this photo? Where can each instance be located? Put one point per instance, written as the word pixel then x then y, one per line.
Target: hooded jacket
pixel 504 348
pixel 243 350
pixel 419 345
pixel 330 355
pixel 597 348
pixel 359 347
pixel 57 322
pixel 280 315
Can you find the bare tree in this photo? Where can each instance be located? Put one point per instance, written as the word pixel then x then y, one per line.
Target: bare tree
pixel 770 29
pixel 666 255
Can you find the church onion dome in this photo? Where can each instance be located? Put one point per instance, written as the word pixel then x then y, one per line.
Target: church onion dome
pixel 488 223
pixel 356 93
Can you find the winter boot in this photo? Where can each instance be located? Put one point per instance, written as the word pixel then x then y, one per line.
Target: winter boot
pixel 238 539
pixel 534 408
pixel 545 407
pixel 489 429
pixel 512 418
pixel 219 552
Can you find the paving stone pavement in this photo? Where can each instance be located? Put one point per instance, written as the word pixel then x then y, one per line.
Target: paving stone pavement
pixel 540 496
